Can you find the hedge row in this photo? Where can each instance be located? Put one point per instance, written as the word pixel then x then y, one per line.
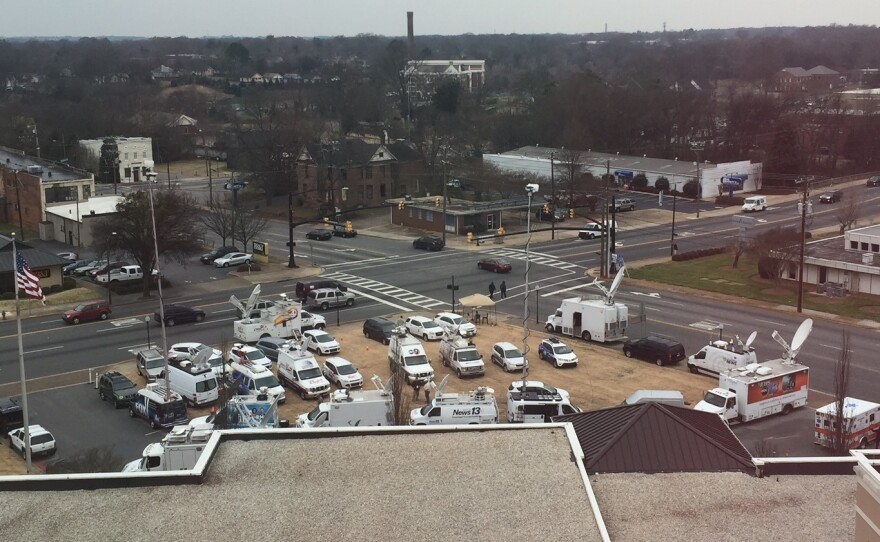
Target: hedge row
pixel 702 253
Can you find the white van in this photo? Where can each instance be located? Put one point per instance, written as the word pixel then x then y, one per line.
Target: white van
pixel 754 204
pixel 475 407
pixel 196 383
pixel 255 377
pixel 722 355
pixel 533 407
pixel 299 370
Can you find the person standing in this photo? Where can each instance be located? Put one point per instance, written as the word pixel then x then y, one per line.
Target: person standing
pixel 492 290
pixel 417 386
pixel 503 289
pixel 429 387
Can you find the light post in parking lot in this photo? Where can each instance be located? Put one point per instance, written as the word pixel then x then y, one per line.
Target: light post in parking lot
pixel 337 294
pixel 109 290
pixel 147 321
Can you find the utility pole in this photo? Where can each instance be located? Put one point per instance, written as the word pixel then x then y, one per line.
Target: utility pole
pixel 800 298
pixel 443 226
pixel 18 204
pixel 553 197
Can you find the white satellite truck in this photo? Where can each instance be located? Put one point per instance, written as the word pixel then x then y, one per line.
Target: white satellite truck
pixel 461 356
pixel 179 450
pixel 861 423
pixel 282 320
pixel 472 408
pixel 598 319
pixel 721 355
pixel 762 389
pixel 408 353
pixel 353 408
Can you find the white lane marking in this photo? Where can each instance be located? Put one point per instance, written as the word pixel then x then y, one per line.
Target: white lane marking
pixel 48 321
pixel 135 348
pixel 548 294
pixel 770 322
pixel 368 296
pixel 831 346
pixel 43 349
pixel 224 310
pixel 213 321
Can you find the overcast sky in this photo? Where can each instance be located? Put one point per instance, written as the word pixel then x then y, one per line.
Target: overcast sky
pixel 196 18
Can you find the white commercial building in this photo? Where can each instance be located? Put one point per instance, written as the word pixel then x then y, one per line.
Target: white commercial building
pixel 133 151
pixel 843 264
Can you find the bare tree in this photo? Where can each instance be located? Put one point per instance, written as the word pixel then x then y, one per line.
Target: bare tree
pixel 248 225
pixel 570 169
pixel 849 212
pixel 218 220
pixel 400 393
pixel 842 426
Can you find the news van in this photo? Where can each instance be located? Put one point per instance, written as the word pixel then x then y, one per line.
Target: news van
pixel 474 407
pixel 253 377
pixel 533 407
pixel 159 406
pixel 194 379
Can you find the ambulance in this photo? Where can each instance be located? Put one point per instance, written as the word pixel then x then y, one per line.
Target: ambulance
pixel 861 423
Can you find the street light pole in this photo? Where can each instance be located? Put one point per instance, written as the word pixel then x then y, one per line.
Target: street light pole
pixel 109 289
pixel 291 263
pixel 800 297
pixel 553 197
pixel 147 321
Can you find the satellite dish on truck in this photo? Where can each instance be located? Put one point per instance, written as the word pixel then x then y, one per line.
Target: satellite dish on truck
pixel 248 306
pixel 790 352
pixel 609 292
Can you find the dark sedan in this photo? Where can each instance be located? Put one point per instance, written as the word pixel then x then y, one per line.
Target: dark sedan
pixel 831 196
pixel 874 181
pixel 498 265
pixel 209 258
pixel 320 235
pixel 178 314
pixel 428 242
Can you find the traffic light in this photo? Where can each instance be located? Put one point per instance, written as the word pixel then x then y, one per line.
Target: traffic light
pixel 501 231
pixel 400 205
pixel 437 201
pixel 546 209
pixel 571 213
pixel 326 219
pixel 348 228
pixel 470 237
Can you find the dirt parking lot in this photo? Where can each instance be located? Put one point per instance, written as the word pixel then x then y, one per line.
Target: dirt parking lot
pixel 604 376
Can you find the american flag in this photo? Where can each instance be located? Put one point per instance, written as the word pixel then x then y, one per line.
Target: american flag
pixel 26 279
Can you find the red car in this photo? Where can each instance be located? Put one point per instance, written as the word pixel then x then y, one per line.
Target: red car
pixel 93 310
pixel 498 265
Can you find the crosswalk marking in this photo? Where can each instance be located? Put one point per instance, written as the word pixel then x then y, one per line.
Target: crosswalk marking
pixel 535 257
pixel 400 294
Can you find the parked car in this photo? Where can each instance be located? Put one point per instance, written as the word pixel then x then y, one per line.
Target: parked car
pixel 105 269
pixel 536 386
pixel 42 441
pixel 303 288
pixel 556 352
pixel 188 351
pixel 72 256
pixel 660 350
pixel 320 341
pixel 243 352
pixel 497 265
pixel 556 215
pixel 379 329
pixel 312 321
pixel 179 314
pixel 150 364
pixel 259 306
pixel 455 323
pixel 320 235
pixel 429 242
pixel 270 346
pixel 234 258
pixel 831 196
pixel 508 357
pixel 341 372
pixel 82 270
pixel 216 253
pixel 71 267
pixel 325 298
pixel 427 329
pixel 874 181
pixel 92 310
pixel 115 387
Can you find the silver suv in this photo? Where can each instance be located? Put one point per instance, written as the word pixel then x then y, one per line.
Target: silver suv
pixel 324 298
pixel 622 204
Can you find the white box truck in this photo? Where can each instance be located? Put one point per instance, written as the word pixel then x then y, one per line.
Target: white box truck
pixel 407 352
pixel 283 319
pixel 762 389
pixel 721 355
pixel 352 408
pixel 861 423
pixel 179 450
pixel 600 319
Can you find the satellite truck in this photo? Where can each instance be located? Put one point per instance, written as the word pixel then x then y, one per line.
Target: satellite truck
pixel 721 355
pixel 179 450
pixel 353 408
pixel 282 320
pixel 762 389
pixel 598 319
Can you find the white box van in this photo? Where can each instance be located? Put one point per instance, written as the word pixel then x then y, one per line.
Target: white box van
pixel 722 355
pixel 475 407
pixel 195 382
pixel 255 377
pixel 754 204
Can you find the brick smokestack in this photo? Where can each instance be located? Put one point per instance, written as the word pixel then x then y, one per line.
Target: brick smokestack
pixel 410 37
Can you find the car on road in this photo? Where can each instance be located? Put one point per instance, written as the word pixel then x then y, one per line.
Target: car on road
pixel 84 312
pixel 72 256
pixel 115 387
pixel 341 372
pixel 421 326
pixel 660 350
pixel 235 185
pixel 209 258
pixel 320 235
pixel 339 230
pixel 150 364
pixel 179 314
pixel 304 287
pixel 753 204
pixel 243 352
pixel 874 181
pixel 42 441
pixel 234 258
pixel 831 196
pixel 496 265
pixel 325 298
pixel 429 242
pixel 557 215
pixel 270 346
pixel 556 352
pixel 508 357
pixel 379 329
pixel 320 341
pixel 622 204
pixel 591 230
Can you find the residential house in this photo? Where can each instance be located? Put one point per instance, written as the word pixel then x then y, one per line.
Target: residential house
pixel 164 72
pixel 253 79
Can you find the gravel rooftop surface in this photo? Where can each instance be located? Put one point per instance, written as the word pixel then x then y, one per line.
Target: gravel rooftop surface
pixel 494 485
pixel 721 507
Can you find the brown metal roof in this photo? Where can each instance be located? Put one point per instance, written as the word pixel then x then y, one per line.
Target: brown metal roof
pixel 652 437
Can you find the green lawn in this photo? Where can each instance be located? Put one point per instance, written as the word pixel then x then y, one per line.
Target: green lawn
pixel 715 274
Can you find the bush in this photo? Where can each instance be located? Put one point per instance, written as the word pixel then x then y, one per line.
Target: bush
pixel 729 201
pixel 54 289
pixel 136 286
pixel 700 253
pixel 691 189
pixel 639 181
pixel 662 184
pixel 68 283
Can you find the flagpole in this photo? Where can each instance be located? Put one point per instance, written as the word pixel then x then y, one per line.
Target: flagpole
pixel 24 405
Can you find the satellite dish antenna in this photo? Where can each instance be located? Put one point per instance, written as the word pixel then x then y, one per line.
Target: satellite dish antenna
pixel 751 339
pixel 238 305
pixel 790 352
pixel 252 300
pixel 202 356
pixel 442 386
pixel 609 292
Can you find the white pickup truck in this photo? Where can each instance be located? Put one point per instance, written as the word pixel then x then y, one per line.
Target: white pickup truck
pixel 126 272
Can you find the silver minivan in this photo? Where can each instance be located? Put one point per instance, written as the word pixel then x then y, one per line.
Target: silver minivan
pixel 324 298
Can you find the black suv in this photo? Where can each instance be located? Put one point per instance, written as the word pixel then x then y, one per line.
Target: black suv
pixel 874 181
pixel 379 329
pixel 303 288
pixel 660 350
pixel 831 196
pixel 209 258
pixel 113 386
pixel 429 242
pixel 11 415
pixel 178 314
